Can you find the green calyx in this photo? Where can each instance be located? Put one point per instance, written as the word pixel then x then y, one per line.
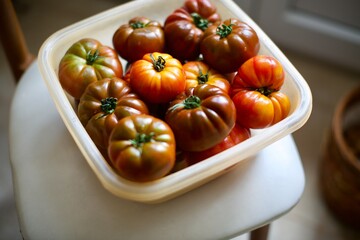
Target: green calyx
pixel 91 57
pixel 224 30
pixel 202 78
pixel 141 138
pixel 108 105
pixel 159 64
pixel 192 102
pixel 265 91
pixel 137 25
pixel 200 22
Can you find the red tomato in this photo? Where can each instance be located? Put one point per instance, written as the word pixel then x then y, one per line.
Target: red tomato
pixel 237 135
pixel 157 77
pixel 256 110
pixel 185 27
pixel 138 37
pixel 256 95
pixel 198 72
pixel 142 148
pixel 201 117
pixel 226 46
pixel 260 72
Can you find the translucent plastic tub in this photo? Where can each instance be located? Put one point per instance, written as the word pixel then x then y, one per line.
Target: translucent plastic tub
pixel 101 27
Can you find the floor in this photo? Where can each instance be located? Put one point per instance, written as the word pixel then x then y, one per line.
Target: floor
pixel 309 220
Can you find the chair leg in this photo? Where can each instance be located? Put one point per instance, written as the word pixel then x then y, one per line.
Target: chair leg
pixel 260 233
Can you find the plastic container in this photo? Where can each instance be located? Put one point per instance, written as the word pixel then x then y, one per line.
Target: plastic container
pixel 101 27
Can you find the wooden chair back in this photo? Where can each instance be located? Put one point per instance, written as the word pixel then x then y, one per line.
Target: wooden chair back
pixel 13 40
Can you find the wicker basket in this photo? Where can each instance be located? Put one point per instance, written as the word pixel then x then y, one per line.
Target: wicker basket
pixel 340 165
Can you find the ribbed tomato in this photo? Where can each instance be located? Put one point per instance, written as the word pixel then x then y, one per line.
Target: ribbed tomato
pixel 184 28
pixel 103 104
pixel 138 37
pixel 201 117
pixel 226 46
pixel 87 61
pixel 157 77
pixel 256 95
pixel 142 148
pixel 198 72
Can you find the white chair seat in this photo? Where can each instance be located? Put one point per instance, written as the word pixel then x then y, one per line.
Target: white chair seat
pixel 59 197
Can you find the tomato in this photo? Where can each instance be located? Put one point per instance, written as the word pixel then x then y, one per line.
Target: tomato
pixel 126 76
pixel 226 46
pixel 142 148
pixel 198 72
pixel 256 95
pixel 138 37
pixel 157 77
pixel 261 71
pixel 103 104
pixel 201 117
pixel 237 135
pixel 87 61
pixel 184 28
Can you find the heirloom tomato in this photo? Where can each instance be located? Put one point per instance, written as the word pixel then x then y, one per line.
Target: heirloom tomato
pixel 201 117
pixel 138 37
pixel 256 95
pixel 198 72
pixel 237 135
pixel 157 77
pixel 87 61
pixel 103 104
pixel 227 45
pixel 185 27
pixel 142 148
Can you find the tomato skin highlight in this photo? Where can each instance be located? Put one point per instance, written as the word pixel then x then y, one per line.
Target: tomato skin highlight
pixel 201 117
pixel 142 148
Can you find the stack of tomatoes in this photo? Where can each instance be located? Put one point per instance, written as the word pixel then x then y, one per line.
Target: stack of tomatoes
pixel 193 87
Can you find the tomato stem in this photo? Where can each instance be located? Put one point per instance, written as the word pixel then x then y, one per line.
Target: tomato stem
pixel 224 30
pixel 265 90
pixel 192 102
pixel 108 105
pixel 137 25
pixel 189 103
pixel 141 138
pixel 159 64
pixel 202 78
pixel 91 58
pixel 200 22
